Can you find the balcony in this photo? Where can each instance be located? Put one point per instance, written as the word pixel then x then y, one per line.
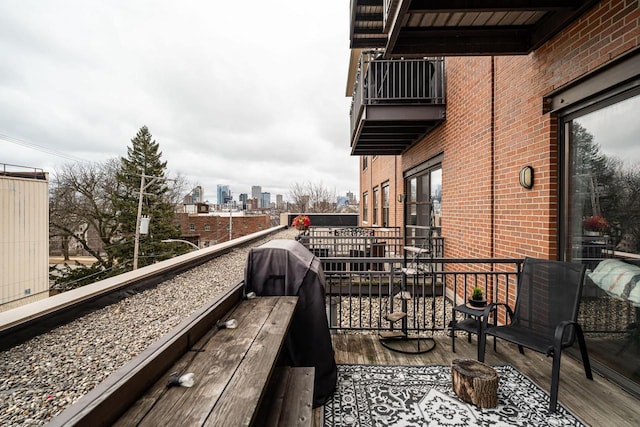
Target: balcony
pixel 459 27
pixel 395 103
pixel 362 272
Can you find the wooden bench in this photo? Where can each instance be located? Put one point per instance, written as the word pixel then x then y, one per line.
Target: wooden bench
pixel 236 380
pixel 289 398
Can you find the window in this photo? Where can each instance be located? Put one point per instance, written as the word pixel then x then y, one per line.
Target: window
pixel 603 179
pixel 207 227
pixel 376 201
pixel 365 207
pixel 385 204
pixel 365 162
pixel 192 227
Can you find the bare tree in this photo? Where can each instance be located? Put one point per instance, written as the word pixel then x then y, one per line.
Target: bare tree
pixel 312 198
pixel 299 197
pixel 82 209
pixel 321 198
pixel 61 220
pixel 177 189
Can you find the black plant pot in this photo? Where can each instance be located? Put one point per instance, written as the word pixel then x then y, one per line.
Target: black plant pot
pixel 478 302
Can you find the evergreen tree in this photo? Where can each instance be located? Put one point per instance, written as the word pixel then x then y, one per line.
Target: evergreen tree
pixel 595 173
pixel 143 164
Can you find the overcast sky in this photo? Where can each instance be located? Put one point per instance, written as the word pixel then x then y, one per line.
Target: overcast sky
pixel 616 130
pixel 238 93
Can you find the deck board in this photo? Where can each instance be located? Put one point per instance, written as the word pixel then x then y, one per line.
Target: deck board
pixel 598 402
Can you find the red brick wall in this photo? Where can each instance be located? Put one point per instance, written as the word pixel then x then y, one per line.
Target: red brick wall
pixel 526 220
pixel 383 169
pixel 495 126
pixel 218 226
pixel 466 168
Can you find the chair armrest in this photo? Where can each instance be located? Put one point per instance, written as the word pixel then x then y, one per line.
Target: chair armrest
pixel 491 307
pixel 559 333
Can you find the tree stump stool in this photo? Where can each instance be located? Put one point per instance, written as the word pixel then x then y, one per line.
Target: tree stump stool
pixel 474 382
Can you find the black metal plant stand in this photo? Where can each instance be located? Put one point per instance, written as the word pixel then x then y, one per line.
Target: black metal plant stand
pixel 397 339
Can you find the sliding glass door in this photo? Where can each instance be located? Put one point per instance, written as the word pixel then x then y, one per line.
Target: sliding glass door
pixel 602 227
pixel 423 205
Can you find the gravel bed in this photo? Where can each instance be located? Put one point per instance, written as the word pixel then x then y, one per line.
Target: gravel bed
pixel 45 375
pixel 365 312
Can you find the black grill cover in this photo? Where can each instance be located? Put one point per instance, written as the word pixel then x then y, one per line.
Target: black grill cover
pixel 286 267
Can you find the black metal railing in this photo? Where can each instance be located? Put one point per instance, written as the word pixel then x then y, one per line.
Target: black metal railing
pixel 353 242
pixel 396 81
pixel 369 269
pixel 362 292
pixel 366 267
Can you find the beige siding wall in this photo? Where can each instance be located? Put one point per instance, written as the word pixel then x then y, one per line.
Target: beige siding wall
pixel 24 232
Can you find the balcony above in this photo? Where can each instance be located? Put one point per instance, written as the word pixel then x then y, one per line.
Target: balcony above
pixel 395 103
pixel 415 28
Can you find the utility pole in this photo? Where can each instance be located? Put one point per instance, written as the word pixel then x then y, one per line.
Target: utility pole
pixel 143 186
pixel 230 223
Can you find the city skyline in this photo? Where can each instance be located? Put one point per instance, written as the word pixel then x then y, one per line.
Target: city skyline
pixel 212 197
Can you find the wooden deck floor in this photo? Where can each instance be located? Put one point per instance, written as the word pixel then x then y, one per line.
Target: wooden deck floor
pixel 598 402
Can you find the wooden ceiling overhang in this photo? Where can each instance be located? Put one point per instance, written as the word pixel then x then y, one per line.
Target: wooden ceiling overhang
pixel 417 28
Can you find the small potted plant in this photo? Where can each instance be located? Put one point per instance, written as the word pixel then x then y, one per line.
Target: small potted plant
pixel 594 225
pixel 477 297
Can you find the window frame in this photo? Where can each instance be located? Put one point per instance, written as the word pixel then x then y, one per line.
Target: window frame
pixel 385 204
pixel 365 207
pixel 419 208
pixel 375 202
pixel 565 118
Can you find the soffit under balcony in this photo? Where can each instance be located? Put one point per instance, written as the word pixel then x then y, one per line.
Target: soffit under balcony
pixel 389 130
pixel 367 24
pixel 417 28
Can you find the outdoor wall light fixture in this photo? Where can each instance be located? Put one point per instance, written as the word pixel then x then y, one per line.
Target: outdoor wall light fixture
pixel 526 177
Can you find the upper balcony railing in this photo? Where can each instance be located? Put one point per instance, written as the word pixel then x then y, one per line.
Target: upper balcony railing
pixel 402 82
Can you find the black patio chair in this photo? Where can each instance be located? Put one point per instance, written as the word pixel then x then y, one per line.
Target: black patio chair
pixel 545 315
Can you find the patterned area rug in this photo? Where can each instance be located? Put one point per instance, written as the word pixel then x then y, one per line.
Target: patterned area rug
pixel 374 395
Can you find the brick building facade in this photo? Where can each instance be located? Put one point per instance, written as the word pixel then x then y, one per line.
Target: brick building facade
pixel 207 230
pixel 567 107
pixel 495 124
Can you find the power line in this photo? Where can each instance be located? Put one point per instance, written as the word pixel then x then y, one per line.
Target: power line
pixel 37 147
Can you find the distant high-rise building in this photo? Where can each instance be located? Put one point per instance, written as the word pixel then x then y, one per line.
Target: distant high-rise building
pixel 265 200
pixel 224 194
pixel 256 190
pixel 252 204
pixel 196 195
pixel 243 197
pixel 279 201
pixel 352 199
